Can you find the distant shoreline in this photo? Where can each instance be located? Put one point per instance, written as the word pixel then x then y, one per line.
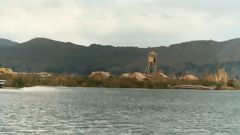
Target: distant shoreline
pixel 176 89
pixel 21 81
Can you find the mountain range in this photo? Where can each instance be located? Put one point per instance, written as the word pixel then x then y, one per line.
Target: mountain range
pixel 46 55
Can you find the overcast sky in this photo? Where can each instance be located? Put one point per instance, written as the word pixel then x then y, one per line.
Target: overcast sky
pixel 141 23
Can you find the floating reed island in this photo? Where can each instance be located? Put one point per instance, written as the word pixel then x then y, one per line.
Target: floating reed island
pixel 104 79
pixel 151 78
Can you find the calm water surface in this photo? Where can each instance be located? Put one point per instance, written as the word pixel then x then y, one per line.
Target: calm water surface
pixel 90 111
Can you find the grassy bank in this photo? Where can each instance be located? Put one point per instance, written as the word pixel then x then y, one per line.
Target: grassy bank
pixel 114 82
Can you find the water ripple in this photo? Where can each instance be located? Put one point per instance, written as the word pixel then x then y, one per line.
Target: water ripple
pixel 59 110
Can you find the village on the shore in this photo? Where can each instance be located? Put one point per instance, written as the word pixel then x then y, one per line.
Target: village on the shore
pixel 151 78
pixel 152 73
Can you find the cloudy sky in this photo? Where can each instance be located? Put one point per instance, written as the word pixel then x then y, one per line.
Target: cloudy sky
pixel 140 23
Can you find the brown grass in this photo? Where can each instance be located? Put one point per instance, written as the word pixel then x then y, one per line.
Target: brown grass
pixel 78 81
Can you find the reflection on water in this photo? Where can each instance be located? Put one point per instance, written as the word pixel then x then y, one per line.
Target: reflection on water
pixel 59 110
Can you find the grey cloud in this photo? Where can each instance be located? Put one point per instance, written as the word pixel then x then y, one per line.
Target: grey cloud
pixel 119 22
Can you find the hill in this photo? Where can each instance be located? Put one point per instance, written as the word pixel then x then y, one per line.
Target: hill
pixel 5 42
pixel 42 54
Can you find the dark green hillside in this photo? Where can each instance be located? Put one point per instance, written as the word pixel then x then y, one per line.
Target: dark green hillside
pixel 5 42
pixel 42 54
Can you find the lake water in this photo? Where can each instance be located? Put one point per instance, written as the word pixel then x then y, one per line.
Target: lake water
pixel 90 111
